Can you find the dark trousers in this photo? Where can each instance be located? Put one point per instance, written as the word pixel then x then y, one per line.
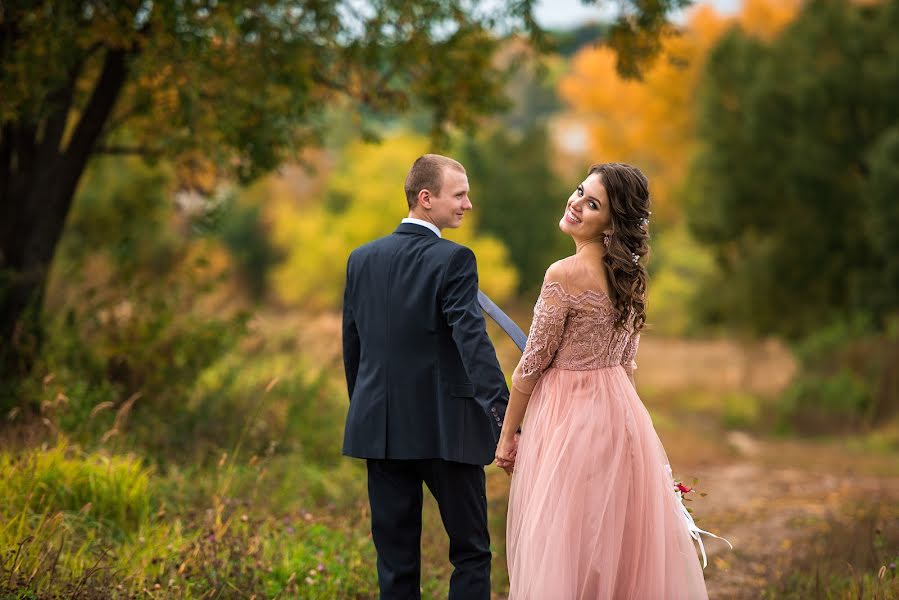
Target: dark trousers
pixel 395 495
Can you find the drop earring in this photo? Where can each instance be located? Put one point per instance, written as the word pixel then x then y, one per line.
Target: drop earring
pixel 606 239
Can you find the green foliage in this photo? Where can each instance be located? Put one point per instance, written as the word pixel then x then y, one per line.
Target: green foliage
pixel 569 41
pixel 678 268
pixel 122 209
pixel 111 489
pixel 138 356
pixel 818 402
pixel 846 381
pixel 364 200
pixel 638 32
pixel 273 400
pixel 127 334
pixel 794 189
pixel 248 243
pixel 248 80
pixel 518 199
pixel 740 410
pixel 882 220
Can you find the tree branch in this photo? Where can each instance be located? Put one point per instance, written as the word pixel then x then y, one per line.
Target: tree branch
pixel 93 119
pixel 332 85
pixel 60 102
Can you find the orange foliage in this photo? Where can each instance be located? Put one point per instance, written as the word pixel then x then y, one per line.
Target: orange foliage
pixel 651 122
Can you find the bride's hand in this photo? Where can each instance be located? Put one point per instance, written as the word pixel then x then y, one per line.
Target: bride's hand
pixel 506 452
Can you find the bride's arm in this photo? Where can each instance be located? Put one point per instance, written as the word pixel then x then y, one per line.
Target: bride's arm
pixel 628 361
pixel 508 438
pixel 544 339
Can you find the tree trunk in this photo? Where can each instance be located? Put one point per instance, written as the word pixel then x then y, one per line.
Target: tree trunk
pixel 39 179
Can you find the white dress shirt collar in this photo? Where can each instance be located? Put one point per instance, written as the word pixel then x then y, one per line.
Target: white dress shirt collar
pixel 430 226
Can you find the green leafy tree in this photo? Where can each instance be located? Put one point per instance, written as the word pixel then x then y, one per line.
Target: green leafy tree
pixel 518 199
pixel 240 83
pixel 795 187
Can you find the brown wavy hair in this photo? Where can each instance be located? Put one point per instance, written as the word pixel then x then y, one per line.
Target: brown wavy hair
pixel 628 192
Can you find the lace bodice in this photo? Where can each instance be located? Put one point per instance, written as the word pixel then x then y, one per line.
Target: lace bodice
pixel 576 332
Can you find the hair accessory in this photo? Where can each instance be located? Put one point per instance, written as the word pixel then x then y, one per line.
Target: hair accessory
pixel 644 222
pixel 636 258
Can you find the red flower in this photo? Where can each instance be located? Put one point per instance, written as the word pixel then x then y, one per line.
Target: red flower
pixel 682 488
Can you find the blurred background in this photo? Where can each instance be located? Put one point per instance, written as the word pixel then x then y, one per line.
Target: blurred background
pixel 182 182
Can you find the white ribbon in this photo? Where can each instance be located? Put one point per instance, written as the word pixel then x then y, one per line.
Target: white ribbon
pixel 693 530
pixel 696 531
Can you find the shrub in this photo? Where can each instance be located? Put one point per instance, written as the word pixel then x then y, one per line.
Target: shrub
pixel 847 380
pixel 111 489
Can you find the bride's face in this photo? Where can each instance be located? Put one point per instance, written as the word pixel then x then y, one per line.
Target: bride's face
pixel 587 210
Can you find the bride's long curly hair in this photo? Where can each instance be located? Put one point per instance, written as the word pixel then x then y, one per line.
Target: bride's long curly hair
pixel 628 192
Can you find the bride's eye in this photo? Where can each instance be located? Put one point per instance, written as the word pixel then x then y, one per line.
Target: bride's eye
pixel 580 190
pixel 592 205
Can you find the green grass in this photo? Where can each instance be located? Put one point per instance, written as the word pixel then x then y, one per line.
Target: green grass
pixel 88 525
pixel 112 489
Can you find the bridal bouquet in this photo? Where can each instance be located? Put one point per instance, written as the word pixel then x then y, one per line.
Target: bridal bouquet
pixel 682 490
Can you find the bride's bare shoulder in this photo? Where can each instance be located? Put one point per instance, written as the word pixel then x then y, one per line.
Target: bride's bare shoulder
pixel 583 276
pixel 558 273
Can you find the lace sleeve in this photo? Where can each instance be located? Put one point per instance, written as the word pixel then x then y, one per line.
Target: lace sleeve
pixel 630 353
pixel 544 338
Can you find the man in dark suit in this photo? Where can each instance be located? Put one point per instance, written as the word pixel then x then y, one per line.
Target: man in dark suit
pixel 427 396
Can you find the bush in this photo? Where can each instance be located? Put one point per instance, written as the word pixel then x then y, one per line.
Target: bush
pixel 111 489
pixel 817 404
pixel 847 380
pixel 126 382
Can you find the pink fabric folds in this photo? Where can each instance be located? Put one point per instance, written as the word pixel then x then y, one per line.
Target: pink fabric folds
pixel 592 511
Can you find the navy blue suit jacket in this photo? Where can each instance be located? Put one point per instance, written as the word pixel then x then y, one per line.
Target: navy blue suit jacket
pixel 422 375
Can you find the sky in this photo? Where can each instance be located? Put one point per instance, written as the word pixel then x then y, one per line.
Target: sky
pixel 565 14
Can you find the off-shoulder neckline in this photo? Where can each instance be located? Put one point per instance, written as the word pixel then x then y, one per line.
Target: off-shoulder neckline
pixel 555 285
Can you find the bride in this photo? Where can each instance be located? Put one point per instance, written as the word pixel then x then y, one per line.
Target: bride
pixel 592 510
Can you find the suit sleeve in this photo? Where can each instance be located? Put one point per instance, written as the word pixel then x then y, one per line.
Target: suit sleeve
pixel 463 315
pixel 351 348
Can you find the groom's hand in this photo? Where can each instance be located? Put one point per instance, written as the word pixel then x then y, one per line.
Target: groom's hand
pixel 506 453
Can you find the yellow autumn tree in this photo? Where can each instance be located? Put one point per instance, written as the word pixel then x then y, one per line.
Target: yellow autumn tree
pixel 363 200
pixel 651 122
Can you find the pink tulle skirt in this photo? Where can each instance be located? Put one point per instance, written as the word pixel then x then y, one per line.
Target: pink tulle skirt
pixel 592 510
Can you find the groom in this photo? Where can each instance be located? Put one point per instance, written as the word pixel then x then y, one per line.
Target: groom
pixel 427 396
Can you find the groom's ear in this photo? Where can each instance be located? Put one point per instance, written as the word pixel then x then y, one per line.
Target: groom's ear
pixel 424 199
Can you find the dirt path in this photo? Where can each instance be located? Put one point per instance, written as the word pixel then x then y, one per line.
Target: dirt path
pixel 774 514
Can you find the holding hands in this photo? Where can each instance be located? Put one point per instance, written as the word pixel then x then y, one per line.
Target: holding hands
pixel 506 451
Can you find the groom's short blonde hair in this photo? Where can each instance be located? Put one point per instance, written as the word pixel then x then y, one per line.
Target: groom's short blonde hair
pixel 426 173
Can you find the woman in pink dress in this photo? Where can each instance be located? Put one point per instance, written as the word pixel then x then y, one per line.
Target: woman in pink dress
pixel 592 511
